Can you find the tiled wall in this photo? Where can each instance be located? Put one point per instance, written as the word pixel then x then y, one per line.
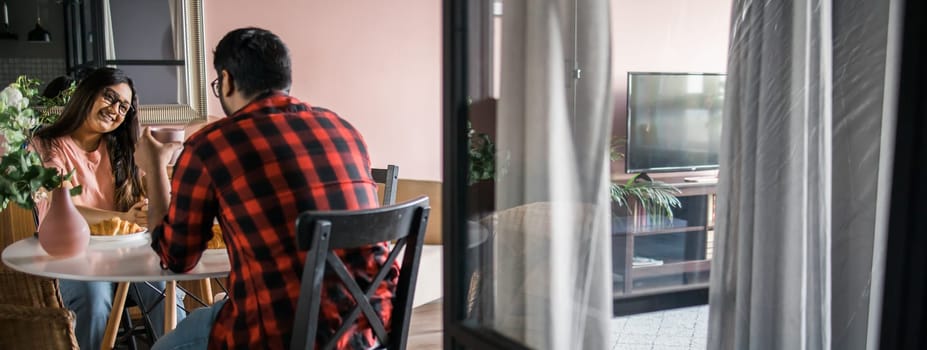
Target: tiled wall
pixel 44 69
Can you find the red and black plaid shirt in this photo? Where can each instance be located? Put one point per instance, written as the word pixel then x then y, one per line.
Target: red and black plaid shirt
pixel 256 171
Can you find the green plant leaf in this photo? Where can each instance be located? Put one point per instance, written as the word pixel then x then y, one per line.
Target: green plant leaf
pixel 22 173
pixel 656 199
pixel 481 154
pixel 632 180
pixel 613 148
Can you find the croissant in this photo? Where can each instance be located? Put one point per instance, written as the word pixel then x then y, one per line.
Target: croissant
pixel 216 242
pixel 114 226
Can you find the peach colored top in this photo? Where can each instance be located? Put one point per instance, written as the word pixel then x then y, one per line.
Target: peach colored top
pixel 92 171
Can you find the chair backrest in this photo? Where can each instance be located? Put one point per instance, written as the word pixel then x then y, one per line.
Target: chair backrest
pixel 390 178
pixel 32 313
pixel 321 232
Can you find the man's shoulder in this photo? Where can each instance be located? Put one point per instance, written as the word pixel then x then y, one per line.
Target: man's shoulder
pixel 203 133
pixel 239 122
pixel 331 119
pixel 323 111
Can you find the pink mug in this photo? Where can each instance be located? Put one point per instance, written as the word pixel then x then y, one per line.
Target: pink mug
pixel 166 135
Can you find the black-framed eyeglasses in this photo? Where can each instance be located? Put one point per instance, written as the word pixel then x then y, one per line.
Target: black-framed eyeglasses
pixel 111 98
pixel 215 87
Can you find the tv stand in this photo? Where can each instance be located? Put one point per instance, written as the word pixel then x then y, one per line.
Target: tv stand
pixel 673 256
pixel 701 179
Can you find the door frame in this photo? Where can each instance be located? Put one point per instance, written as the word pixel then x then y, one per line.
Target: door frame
pixel 904 299
pixel 458 332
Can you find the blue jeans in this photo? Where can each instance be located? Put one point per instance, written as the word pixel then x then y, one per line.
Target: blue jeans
pixel 92 302
pixel 193 331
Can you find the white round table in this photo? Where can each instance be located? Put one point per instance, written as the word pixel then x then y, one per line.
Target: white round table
pixel 121 261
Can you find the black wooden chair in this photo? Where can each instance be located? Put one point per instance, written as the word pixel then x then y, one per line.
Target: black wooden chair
pixel 320 232
pixel 389 177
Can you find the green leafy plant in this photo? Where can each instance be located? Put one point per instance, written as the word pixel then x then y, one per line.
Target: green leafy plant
pixel 23 178
pixel 45 107
pixel 482 154
pixel 655 199
pixel 614 154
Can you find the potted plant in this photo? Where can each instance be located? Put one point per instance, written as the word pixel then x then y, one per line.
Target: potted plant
pixel 481 173
pixel 482 153
pixel 23 178
pixel 650 203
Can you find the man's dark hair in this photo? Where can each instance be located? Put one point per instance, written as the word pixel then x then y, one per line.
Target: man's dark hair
pixel 257 60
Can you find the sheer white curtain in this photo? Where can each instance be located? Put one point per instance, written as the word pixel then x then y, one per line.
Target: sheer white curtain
pixel 552 266
pixel 110 42
pixel 800 173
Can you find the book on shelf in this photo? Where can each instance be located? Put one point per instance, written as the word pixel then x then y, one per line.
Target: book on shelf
pixel 640 261
pixel 641 220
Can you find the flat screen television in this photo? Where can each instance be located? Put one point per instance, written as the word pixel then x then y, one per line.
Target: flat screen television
pixel 674 121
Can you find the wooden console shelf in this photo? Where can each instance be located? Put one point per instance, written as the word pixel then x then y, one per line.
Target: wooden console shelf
pixel 656 292
pixel 671 268
pixel 677 255
pixel 667 230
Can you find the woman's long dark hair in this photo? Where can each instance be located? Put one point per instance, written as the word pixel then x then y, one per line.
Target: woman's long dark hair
pixel 120 142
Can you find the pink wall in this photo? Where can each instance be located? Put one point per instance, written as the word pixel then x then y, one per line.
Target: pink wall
pixel 375 63
pixel 378 64
pixel 665 36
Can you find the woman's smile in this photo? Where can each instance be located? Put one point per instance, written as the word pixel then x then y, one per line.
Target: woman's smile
pixel 107 117
pixel 106 121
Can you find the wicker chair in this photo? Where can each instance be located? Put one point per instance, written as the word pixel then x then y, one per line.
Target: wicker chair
pixel 30 327
pixel 32 314
pixel 17 288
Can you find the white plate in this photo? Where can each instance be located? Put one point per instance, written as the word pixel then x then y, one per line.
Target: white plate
pixel 220 251
pixel 119 238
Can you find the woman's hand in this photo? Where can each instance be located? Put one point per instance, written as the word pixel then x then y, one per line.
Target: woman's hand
pixel 152 155
pixel 138 213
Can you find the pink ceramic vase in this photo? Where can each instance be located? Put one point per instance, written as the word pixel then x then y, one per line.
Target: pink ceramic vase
pixel 63 232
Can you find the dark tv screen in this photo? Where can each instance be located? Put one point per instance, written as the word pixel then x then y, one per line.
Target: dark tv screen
pixel 674 121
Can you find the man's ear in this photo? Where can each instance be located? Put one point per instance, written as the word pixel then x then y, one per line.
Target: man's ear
pixel 228 84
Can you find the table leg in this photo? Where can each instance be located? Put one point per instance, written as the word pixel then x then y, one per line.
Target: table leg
pixel 206 287
pixel 115 316
pixel 170 306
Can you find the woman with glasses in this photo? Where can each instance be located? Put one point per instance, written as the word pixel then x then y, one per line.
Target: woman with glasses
pixel 95 136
